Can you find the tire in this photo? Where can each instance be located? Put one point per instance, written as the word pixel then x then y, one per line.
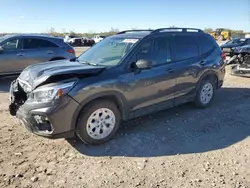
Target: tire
pixel 94 132
pixel 206 85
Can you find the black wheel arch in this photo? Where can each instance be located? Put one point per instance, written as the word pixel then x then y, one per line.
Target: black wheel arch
pixel 113 96
pixel 209 75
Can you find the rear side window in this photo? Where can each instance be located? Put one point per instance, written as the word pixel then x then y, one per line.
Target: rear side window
pixel 185 47
pixel 38 43
pixel 206 43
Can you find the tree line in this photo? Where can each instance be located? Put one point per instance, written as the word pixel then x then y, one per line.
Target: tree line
pixel 113 31
pixel 234 32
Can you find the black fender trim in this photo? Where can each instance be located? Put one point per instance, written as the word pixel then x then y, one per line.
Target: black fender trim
pixel 120 100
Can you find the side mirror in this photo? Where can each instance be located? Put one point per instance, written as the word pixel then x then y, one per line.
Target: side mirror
pixel 1 49
pixel 144 64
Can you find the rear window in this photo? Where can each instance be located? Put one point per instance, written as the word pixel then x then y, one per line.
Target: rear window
pixel 185 47
pixel 206 43
pixel 32 43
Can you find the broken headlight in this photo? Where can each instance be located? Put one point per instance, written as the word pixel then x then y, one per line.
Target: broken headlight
pixel 48 93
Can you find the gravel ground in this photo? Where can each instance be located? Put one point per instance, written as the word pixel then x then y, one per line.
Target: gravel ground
pixel 79 50
pixel 181 147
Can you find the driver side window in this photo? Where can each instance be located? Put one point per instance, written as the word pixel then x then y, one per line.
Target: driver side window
pixel 157 50
pixel 145 50
pixel 14 44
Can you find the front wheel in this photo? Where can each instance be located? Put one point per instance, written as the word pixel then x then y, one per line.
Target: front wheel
pixel 98 122
pixel 205 93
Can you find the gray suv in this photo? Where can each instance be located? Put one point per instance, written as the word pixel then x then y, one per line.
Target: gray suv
pixel 19 51
pixel 127 75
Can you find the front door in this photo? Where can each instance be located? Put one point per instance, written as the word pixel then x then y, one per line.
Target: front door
pixel 12 57
pixel 38 50
pixel 156 85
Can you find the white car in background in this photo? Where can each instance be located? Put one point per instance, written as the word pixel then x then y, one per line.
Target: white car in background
pixel 98 38
pixel 73 40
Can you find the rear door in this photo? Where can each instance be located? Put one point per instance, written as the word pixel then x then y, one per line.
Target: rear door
pixel 12 58
pixel 187 63
pixel 38 50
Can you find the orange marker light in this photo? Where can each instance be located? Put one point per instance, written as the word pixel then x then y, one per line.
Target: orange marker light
pixel 60 93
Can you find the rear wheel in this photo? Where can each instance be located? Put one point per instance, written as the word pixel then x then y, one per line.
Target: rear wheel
pixel 205 93
pixel 98 122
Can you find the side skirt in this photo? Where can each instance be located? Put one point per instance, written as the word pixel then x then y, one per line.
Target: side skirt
pixel 161 106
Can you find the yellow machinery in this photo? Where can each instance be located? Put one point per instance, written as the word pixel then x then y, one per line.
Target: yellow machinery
pixel 221 34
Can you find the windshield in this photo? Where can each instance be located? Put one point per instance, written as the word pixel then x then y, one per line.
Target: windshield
pixel 2 38
pixel 236 41
pixel 108 52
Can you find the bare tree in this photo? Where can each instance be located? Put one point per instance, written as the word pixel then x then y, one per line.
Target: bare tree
pixel 208 30
pixel 52 31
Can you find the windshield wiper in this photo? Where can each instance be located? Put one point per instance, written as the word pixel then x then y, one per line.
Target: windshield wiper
pixel 88 63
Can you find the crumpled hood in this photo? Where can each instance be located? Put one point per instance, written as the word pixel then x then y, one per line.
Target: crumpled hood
pixel 36 74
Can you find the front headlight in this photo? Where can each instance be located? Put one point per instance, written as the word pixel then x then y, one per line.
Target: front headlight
pixel 46 94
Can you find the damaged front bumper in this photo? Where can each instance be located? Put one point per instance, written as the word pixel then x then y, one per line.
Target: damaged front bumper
pixel 49 119
pixel 240 70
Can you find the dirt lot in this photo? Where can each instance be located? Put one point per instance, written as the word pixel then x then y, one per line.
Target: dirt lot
pixel 79 50
pixel 181 147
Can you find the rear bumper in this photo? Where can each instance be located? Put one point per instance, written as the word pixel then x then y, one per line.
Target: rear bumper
pixel 221 75
pixel 220 83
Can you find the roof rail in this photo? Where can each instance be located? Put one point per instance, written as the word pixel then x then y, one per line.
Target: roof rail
pixel 178 30
pixel 133 30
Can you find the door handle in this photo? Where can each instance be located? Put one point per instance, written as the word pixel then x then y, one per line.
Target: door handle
pixel 20 54
pixel 170 70
pixel 49 52
pixel 202 63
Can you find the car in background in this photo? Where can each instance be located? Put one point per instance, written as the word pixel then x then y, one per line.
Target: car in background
pixel 87 41
pixel 229 47
pixel 98 38
pixel 73 40
pixel 20 51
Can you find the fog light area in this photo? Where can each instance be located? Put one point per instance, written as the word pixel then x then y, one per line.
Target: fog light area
pixel 43 123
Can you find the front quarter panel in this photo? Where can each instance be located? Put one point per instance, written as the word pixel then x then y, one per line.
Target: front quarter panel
pixel 99 86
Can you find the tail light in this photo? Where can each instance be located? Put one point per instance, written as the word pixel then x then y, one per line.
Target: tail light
pixel 223 56
pixel 71 51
